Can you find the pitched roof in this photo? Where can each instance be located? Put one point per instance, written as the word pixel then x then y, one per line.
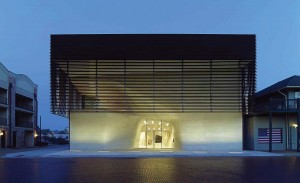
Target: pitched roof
pixel 291 82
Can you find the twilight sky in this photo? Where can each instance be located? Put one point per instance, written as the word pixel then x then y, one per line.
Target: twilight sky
pixel 26 25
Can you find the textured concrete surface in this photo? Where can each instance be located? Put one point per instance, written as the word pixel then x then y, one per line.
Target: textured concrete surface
pixel 192 131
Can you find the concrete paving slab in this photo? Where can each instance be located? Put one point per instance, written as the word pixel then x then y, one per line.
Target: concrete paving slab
pixel 64 152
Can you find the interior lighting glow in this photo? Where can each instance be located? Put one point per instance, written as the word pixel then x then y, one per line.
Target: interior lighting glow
pixel 295 125
pixel 1 133
pixel 145 122
pixel 167 124
pixel 159 123
pixel 152 122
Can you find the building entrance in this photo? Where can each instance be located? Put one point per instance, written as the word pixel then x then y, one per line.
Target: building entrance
pixel 156 134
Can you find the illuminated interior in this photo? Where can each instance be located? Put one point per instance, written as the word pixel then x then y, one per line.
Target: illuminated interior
pixel 155 134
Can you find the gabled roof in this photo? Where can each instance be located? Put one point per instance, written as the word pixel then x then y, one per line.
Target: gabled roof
pixel 291 82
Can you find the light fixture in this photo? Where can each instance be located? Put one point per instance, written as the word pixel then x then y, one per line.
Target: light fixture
pixel 145 122
pixel 167 124
pixel 152 122
pixel 35 134
pixel 295 125
pixel 1 133
pixel 159 123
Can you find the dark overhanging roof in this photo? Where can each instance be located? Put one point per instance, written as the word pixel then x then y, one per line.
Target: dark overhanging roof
pixel 291 82
pixel 153 46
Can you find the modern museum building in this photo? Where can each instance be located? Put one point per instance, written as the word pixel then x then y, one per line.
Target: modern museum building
pixel 187 92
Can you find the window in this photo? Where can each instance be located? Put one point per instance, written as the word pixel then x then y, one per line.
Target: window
pixel 297 95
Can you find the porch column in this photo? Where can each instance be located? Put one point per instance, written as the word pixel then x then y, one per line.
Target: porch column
pixel 270 131
pixel 298 123
pixel 298 131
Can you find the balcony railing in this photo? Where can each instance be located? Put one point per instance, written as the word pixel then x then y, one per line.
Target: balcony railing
pixel 3 100
pixel 25 106
pixel 3 121
pixel 280 105
pixel 24 124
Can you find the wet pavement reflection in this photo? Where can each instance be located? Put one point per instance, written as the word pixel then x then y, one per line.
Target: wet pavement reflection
pixel 202 169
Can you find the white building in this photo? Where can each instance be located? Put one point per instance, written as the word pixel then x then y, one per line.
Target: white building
pixel 18 109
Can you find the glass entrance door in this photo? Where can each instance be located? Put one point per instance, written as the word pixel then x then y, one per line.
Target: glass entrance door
pixel 158 139
pixel 156 135
pixel 150 139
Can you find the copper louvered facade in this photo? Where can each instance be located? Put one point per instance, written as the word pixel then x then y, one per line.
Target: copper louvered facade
pixel 152 73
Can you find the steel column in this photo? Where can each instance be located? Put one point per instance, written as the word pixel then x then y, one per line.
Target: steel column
pixel 270 131
pixel 298 131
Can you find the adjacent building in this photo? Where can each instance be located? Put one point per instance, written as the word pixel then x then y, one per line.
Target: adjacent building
pixel 154 91
pixel 18 109
pixel 276 110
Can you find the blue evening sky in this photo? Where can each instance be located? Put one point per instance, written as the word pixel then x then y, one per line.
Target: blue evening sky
pixel 26 25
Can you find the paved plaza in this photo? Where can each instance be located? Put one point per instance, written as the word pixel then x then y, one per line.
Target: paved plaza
pixel 62 151
pixel 168 169
pixel 59 164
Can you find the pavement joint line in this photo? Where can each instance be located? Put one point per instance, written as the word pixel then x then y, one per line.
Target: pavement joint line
pixel 66 152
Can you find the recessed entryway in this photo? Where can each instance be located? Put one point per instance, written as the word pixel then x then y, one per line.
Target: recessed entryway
pixel 156 134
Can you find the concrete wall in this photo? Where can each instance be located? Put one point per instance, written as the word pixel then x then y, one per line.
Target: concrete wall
pixel 29 138
pixel 193 131
pixel 20 140
pixel 24 86
pixel 4 75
